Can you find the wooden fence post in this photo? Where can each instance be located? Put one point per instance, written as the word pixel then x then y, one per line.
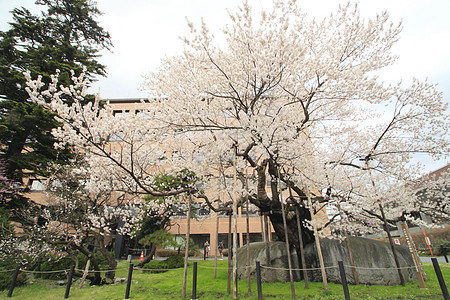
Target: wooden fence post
pixel 13 282
pixel 437 269
pixel 130 275
pixel 194 282
pixel 258 280
pixel 344 280
pixel 69 282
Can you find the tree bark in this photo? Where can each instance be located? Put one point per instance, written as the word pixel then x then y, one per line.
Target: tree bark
pixel 288 250
pixel 391 243
pixel 112 264
pixel 96 279
pixel 300 247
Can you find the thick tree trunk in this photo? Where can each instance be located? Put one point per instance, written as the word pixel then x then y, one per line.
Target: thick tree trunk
pixel 112 264
pixel 391 243
pixel 96 279
pixel 276 219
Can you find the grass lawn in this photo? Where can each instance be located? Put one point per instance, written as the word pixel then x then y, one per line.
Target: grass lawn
pixel 168 285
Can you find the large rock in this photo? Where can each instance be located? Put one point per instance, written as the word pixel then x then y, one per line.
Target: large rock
pixel 278 270
pixel 373 259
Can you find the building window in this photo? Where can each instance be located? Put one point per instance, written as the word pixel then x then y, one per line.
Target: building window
pixel 121 113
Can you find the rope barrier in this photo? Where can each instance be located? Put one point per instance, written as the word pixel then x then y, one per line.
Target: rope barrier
pixel 218 268
pixel 100 271
pixel 45 272
pixel 335 267
pixel 158 269
pixel 4 271
pixel 310 269
pixel 206 267
pixel 375 268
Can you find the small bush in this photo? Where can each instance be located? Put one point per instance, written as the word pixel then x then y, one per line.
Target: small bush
pixel 443 248
pixel 102 262
pixel 166 252
pixel 225 252
pixel 158 266
pixel 172 252
pixel 176 261
pixel 6 277
pixel 53 263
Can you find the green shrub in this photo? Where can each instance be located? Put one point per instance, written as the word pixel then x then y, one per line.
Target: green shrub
pixel 101 260
pixel 166 252
pixel 158 266
pixel 176 261
pixel 53 263
pixel 6 277
pixel 171 252
pixel 443 248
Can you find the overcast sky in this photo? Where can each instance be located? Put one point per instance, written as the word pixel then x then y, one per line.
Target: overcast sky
pixel 144 31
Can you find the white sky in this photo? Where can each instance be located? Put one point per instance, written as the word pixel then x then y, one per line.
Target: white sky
pixel 144 31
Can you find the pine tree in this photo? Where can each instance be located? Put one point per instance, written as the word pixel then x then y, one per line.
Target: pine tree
pixel 65 37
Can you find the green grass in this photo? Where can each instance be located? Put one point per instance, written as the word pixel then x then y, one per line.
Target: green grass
pixel 168 285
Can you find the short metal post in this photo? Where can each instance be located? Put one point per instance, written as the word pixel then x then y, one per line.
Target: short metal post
pixel 13 282
pixel 344 280
pixel 130 275
pixel 258 280
pixel 69 282
pixel 437 269
pixel 194 282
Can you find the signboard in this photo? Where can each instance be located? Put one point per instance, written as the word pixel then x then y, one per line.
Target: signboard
pixel 397 241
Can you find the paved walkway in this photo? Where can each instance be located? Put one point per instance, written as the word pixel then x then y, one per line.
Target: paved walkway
pixel 440 259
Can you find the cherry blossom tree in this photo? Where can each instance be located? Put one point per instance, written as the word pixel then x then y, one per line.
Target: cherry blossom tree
pixel 297 100
pixel 76 216
pixel 301 98
pixel 433 197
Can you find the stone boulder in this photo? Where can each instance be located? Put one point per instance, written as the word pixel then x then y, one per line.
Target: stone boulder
pixel 278 270
pixel 373 259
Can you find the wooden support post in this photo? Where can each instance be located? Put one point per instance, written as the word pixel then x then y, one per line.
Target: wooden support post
pixel 85 273
pixel 317 239
pixel 350 257
pixel 267 246
pixel 235 233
